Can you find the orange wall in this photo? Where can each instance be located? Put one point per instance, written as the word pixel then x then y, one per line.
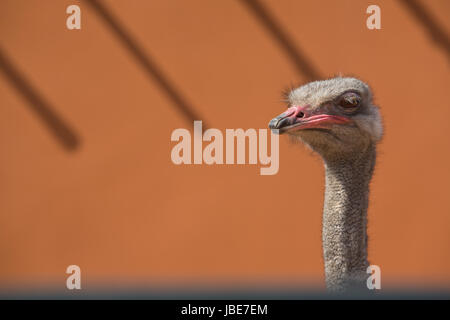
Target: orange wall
pixel 121 210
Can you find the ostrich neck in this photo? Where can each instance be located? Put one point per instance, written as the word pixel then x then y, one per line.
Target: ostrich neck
pixel 344 233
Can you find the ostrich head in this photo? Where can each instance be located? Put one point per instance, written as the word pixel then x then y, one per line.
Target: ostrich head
pixel 335 117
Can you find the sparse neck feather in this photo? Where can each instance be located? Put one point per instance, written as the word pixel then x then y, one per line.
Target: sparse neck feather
pixel 344 232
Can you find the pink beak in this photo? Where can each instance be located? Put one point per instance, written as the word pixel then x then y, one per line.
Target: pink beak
pixel 299 117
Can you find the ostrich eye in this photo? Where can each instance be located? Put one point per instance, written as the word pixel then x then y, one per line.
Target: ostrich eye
pixel 350 100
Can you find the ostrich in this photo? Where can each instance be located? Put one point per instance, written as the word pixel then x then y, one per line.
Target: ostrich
pixel 337 120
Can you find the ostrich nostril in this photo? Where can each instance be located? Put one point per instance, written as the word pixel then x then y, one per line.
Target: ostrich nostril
pixel 300 115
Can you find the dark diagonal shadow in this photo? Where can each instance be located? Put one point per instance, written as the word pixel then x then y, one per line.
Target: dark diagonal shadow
pixel 152 70
pixel 298 58
pixel 430 24
pixel 57 126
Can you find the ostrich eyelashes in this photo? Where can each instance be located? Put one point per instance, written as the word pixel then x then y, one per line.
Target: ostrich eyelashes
pixel 350 101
